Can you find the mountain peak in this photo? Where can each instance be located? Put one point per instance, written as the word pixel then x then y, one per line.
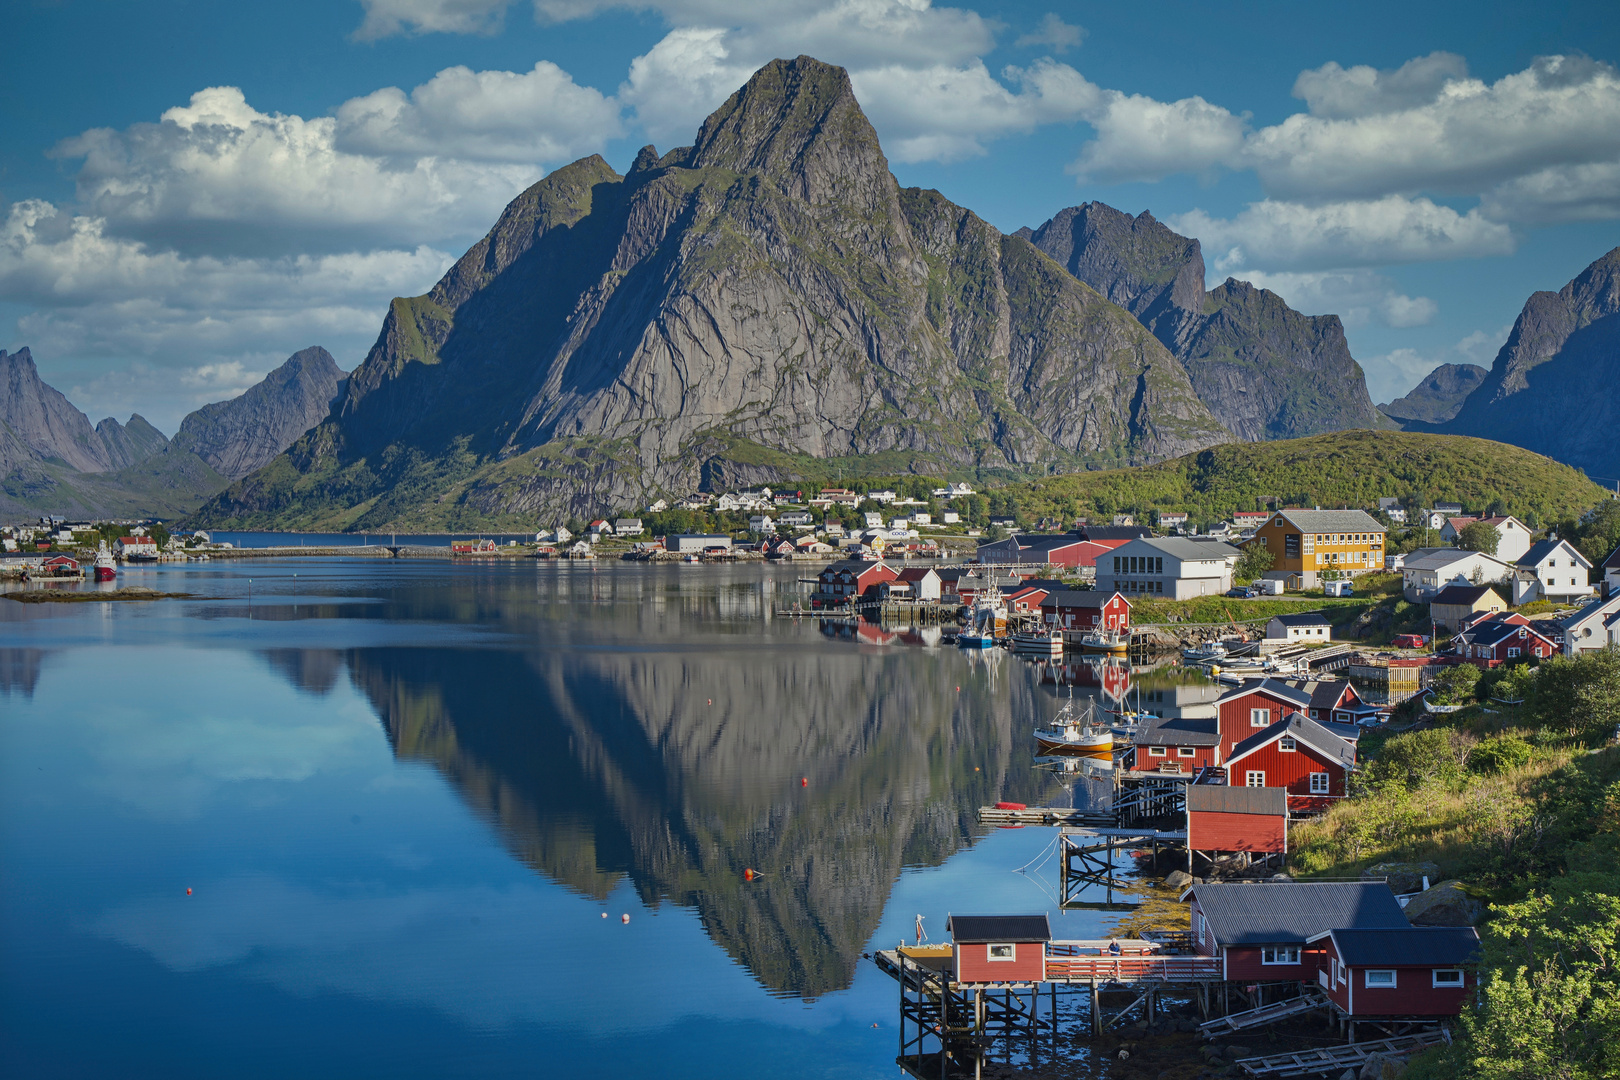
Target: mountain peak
pixel 794 119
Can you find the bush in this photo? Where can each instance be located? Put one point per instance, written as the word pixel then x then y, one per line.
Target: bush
pixel 1579 696
pixel 1413 758
pixel 1455 685
pixel 1499 755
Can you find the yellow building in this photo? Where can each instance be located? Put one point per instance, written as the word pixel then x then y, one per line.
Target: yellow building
pixel 1305 543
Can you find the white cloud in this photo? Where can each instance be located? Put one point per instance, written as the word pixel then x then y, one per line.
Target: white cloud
pixel 1356 296
pixel 1341 93
pixel 536 116
pixel 1276 235
pixel 1053 31
pixel 1396 372
pixel 385 18
pixel 1139 138
pixel 1561 111
pixel 1555 195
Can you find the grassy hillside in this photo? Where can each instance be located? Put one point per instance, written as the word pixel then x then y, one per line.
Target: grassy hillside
pixel 167 485
pixel 1345 468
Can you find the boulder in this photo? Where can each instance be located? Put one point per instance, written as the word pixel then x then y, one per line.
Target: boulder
pixel 1178 879
pixel 1403 877
pixel 1235 1052
pixel 1446 904
pixel 1381 1067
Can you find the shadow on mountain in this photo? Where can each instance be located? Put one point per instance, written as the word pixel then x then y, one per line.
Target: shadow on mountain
pixel 679 770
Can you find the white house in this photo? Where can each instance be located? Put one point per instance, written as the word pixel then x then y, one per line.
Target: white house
pixel 1596 626
pixel 1552 570
pixel 1428 570
pixel 559 535
pixel 761 523
pixel 921 518
pixel 627 527
pixel 883 497
pixel 1512 535
pixel 874 520
pixel 797 519
pixel 1306 626
pixel 1610 573
pixel 1393 509
pixel 951 517
pixel 952 491
pixel 1173 519
pixel 1171 566
pixel 657 506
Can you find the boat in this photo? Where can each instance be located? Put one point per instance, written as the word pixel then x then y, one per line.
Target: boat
pixel 1209 650
pixel 106 569
pixel 1037 643
pixel 989 611
pixel 1104 641
pixel 1128 722
pixel 1072 735
pixel 975 639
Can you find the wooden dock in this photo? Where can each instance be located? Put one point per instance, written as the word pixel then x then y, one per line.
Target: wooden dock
pixel 1265 1015
pixel 1335 1059
pixel 1049 815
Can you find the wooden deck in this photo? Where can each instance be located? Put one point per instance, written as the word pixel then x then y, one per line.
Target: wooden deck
pixel 1067 962
pixel 1335 1059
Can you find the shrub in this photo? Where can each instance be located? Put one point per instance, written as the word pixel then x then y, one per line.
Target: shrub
pixel 1413 758
pixel 1455 685
pixel 1499 755
pixel 1579 696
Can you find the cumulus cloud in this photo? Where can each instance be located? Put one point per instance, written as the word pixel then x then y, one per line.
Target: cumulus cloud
pixel 1358 297
pixel 1395 373
pixel 1557 195
pixel 1277 235
pixel 384 18
pixel 1342 93
pixel 1139 138
pixel 1054 32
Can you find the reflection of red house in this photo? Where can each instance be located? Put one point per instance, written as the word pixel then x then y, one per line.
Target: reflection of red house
pixel 999 948
pixel 1300 756
pixel 1082 610
pixel 872 634
pixel 1402 971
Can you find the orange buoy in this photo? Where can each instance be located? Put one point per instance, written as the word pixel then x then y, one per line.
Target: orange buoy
pixel 975 768
pixel 748 875
pixel 625 917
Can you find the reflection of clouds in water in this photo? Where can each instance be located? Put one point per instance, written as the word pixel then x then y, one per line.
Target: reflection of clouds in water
pixel 489 957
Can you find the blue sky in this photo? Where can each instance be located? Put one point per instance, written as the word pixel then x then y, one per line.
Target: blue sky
pixel 190 192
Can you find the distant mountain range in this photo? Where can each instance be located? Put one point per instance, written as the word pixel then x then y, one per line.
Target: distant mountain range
pixel 1438 397
pixel 53 461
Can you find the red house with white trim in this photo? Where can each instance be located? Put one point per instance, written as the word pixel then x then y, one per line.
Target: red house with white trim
pixel 1494 642
pixel 1254 706
pixel 1398 972
pixel 1176 744
pixel 1082 610
pixel 1264 931
pixel 841 582
pixel 989 949
pixel 1300 756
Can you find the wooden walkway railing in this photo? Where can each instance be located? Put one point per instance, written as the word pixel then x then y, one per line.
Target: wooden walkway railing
pixel 1067 964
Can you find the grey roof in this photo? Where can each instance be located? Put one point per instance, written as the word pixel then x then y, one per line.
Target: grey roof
pixel 1322 693
pixel 1270 686
pixel 1115 532
pixel 1304 618
pixel 1179 731
pixel 1439 559
pixel 1464 595
pixel 978 928
pixel 1047 541
pixel 1220 799
pixel 1543 548
pixel 1331 521
pixel 1496 633
pixel 1292 912
pixel 1348 732
pixel 1613 561
pixel 1410 946
pixel 1595 607
pixel 1304 730
pixel 1080 598
pixel 1182 547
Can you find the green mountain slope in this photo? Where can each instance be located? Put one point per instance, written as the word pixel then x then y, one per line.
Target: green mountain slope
pixel 770 286
pixel 1347 468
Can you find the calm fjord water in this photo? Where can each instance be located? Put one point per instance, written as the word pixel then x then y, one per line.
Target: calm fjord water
pixel 404 794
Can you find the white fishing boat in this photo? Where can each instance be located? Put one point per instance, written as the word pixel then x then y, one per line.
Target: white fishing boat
pixel 1205 653
pixel 1072 735
pixel 1037 643
pixel 1104 641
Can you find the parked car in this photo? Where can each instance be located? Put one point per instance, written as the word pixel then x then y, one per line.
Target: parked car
pixel 1242 593
pixel 1409 641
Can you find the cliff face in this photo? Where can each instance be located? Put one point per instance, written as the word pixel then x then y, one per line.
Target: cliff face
pixel 44 424
pixel 242 434
pixel 1551 388
pixel 1263 369
pixel 1439 396
pixel 769 287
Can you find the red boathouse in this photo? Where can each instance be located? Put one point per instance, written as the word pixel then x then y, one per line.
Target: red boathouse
pixel 1265 932
pixel 1226 819
pixel 1407 971
pixel 999 948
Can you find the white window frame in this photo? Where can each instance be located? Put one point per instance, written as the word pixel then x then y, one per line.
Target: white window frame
pixel 1287 745
pixel 1186 751
pixel 1157 751
pixel 1367 979
pixel 1269 955
pixel 1200 926
pixel 1249 778
pixel 1448 984
pixel 1321 783
pixel 1259 718
pixel 990 952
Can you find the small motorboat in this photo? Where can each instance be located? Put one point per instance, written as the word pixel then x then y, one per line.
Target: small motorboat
pixel 975 639
pixel 1104 641
pixel 1037 643
pixel 1208 652
pixel 1072 735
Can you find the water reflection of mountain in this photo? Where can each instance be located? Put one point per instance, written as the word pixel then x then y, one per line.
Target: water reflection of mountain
pixel 682 769
pixel 19 671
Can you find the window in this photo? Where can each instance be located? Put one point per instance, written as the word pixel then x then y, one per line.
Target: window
pixel 1512 653
pixel 1003 952
pixel 1198 926
pixel 1254 778
pixel 1381 980
pixel 1286 744
pixel 1279 954
pixel 1319 783
pixel 1259 717
pixel 1156 751
pixel 1448 977
pixel 1158 566
pixel 1186 751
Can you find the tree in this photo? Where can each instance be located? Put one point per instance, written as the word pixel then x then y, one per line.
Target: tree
pixel 1253 563
pixel 1479 536
pixel 1455 685
pixel 1578 695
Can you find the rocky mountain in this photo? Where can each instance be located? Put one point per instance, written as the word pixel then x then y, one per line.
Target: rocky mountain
pixel 1552 386
pixel 53 461
pixel 767 294
pixel 1263 369
pixel 1438 397
pixel 246 432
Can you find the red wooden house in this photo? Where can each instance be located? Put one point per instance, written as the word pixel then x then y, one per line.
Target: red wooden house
pixel 1264 932
pixel 1082 610
pixel 1226 819
pixel 1332 701
pixel 840 582
pixel 1401 972
pixel 1254 706
pixel 1300 756
pixel 472 547
pixel 999 948
pixel 1493 642
pixel 1175 744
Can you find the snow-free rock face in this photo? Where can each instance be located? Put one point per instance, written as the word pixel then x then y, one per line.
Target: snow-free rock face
pixel 38 418
pixel 1439 396
pixel 768 292
pixel 1263 369
pixel 1551 388
pixel 246 432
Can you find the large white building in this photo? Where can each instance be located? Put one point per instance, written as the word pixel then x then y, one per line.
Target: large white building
pixel 1552 570
pixel 1173 567
pixel 1428 570
pixel 1596 626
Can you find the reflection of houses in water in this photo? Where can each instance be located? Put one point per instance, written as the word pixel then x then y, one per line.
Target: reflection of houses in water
pixel 1109 674
pixel 1194 701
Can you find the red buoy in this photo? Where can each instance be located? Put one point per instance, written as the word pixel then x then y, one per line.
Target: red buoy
pixel 804 781
pixel 188 892
pixel 625 917
pixel 748 875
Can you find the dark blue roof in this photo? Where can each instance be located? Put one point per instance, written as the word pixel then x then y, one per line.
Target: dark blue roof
pixel 1291 912
pixel 1410 946
pixel 975 928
